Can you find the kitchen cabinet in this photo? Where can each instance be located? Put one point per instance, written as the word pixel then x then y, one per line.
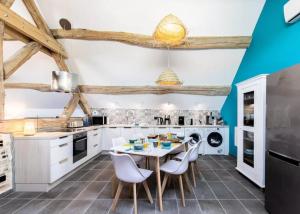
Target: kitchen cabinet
pixel 161 130
pixel 177 130
pixel 250 134
pixel 129 132
pixel 146 131
pixel 93 142
pixel 108 133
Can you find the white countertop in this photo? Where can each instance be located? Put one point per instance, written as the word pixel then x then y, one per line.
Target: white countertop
pixel 54 135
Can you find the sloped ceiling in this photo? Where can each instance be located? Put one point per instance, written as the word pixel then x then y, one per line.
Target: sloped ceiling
pixel 112 63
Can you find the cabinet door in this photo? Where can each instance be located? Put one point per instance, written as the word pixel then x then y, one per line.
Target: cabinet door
pixel 128 132
pixel 161 130
pixel 94 140
pixel 107 135
pixel 145 131
pixel 177 130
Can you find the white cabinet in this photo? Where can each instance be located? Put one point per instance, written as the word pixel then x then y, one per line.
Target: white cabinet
pixel 178 130
pixel 146 131
pixel 93 142
pixel 161 130
pixel 108 133
pixel 250 134
pixel 128 132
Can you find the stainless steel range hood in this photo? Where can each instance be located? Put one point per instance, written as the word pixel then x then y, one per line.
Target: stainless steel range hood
pixel 63 81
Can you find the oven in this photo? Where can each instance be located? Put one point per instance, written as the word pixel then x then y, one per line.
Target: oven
pixel 79 146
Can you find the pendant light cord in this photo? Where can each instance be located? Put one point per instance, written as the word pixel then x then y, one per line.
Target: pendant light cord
pixel 168 58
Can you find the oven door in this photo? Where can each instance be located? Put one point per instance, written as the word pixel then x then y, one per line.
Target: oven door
pixel 79 149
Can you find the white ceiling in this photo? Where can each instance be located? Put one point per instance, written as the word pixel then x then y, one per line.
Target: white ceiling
pixel 111 63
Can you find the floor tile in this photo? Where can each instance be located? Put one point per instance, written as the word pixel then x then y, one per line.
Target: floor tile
pixel 210 207
pixel 91 191
pixel 4 201
pixel 144 207
pixel 233 207
pixel 170 207
pixel 73 191
pixel 220 190
pixel 77 207
pixel 254 206
pixel 202 191
pixel 191 207
pixel 213 164
pixel 29 195
pixel 55 206
pixel 90 175
pixel 253 189
pixel 225 164
pixel 102 165
pixel 13 205
pixel 13 195
pixel 99 207
pixel 106 192
pixel 224 175
pixel 123 207
pixel 236 174
pixel 34 206
pixel 53 193
pixel 239 190
pixel 77 175
pixel 209 175
pixel 105 175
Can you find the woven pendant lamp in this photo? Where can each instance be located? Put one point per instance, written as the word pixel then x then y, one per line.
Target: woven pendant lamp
pixel 168 78
pixel 170 31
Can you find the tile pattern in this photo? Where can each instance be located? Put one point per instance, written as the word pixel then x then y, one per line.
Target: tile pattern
pixel 220 189
pixel 130 116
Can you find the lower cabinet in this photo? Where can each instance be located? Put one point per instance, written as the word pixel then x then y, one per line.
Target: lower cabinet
pixel 108 133
pixel 93 142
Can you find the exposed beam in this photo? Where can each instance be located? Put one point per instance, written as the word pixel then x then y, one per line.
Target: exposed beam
pixel 37 16
pixel 195 90
pixel 2 91
pixel 19 58
pixel 7 3
pixel 84 105
pixel 71 106
pixel 13 35
pixel 32 86
pixel 60 61
pixel 19 24
pixel 222 42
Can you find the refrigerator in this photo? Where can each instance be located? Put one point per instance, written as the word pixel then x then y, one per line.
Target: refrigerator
pixel 282 192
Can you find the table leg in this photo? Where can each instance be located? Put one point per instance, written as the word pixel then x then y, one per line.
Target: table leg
pixel 158 182
pixel 113 185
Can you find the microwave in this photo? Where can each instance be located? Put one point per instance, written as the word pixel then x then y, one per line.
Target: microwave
pixel 99 120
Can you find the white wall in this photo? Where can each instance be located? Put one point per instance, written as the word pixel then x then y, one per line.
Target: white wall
pixel 111 63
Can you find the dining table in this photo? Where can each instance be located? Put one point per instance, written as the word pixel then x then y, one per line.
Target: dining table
pixel 151 152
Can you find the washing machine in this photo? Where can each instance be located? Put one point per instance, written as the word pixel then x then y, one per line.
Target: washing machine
pixel 198 135
pixel 217 141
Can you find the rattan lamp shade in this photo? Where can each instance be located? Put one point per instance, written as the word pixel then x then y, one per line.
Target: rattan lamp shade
pixel 168 78
pixel 170 31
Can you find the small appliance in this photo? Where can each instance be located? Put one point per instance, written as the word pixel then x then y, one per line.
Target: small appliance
pixel 99 120
pixel 79 146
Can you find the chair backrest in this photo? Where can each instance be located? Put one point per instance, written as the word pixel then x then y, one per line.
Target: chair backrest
pixel 119 141
pixel 195 152
pixel 185 161
pixel 125 168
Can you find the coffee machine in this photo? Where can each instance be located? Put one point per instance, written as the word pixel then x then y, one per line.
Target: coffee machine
pixel 181 120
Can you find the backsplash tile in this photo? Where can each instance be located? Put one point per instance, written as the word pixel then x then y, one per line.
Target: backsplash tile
pixel 146 116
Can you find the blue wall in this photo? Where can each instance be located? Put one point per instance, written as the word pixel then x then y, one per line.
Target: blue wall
pixel 275 45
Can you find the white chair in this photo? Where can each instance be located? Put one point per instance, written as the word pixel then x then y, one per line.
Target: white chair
pixel 192 159
pixel 127 171
pixel 119 141
pixel 179 168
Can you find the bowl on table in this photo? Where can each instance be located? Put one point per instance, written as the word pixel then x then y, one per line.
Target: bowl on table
pixel 138 147
pixel 166 144
pixel 132 141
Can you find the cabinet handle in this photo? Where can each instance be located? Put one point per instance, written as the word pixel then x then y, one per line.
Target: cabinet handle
pixel 62 145
pixel 95 135
pixel 64 160
pixel 95 145
pixel 63 137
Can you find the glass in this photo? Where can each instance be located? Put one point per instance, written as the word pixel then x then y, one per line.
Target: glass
pixel 248 148
pixel 249 108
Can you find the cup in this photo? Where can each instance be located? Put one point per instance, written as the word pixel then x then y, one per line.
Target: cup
pixel 155 144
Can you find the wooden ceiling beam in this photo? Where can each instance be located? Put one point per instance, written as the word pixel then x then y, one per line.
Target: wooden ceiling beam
pixel 7 3
pixel 222 42
pixel 71 106
pixel 84 105
pixel 19 58
pixel 2 90
pixel 24 27
pixel 32 86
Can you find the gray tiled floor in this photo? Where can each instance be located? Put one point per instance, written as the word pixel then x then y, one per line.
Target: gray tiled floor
pixel 220 189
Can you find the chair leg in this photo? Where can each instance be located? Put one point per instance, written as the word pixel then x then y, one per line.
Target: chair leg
pixel 193 173
pixel 134 198
pixel 118 193
pixel 181 191
pixel 148 191
pixel 187 181
pixel 164 183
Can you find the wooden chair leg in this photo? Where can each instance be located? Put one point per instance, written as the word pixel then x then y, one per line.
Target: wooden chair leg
pixel 134 199
pixel 181 191
pixel 193 173
pixel 164 183
pixel 118 193
pixel 187 181
pixel 148 192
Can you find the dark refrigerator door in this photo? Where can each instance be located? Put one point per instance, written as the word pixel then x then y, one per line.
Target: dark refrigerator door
pixel 282 194
pixel 283 112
